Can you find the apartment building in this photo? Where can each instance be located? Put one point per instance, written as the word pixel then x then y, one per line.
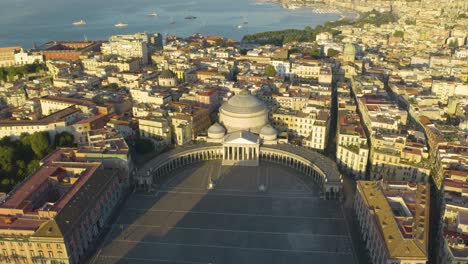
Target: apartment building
pixel 394 220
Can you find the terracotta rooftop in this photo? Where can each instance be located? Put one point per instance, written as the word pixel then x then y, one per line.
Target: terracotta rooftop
pixel 404 237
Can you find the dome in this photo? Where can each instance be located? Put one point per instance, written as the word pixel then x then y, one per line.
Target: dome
pixel 243 112
pixel 216 131
pixel 268 130
pixel 167 74
pixel 268 133
pixel 243 103
pixel 349 49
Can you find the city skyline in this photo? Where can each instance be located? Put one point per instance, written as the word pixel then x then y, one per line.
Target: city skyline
pixel 339 139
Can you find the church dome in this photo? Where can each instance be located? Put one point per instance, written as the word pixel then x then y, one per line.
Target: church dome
pixel 167 78
pixel 216 131
pixel 243 103
pixel 243 112
pixel 167 74
pixel 268 133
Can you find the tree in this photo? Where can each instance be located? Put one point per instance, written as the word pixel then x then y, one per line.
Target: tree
pixel 32 167
pixel 5 184
pixel 332 53
pixel 40 143
pixel 399 34
pixel 64 139
pixel 314 53
pixel 21 169
pixel 7 157
pixel 270 71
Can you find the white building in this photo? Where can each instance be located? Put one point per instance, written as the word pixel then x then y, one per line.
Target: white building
pixel 282 67
pixel 23 57
pixel 128 46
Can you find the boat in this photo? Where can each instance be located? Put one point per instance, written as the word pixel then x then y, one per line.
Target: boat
pixel 120 25
pixel 154 14
pixel 190 17
pixel 240 26
pixel 79 23
pixel 245 21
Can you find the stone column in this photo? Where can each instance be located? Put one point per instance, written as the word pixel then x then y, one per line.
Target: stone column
pixel 237 153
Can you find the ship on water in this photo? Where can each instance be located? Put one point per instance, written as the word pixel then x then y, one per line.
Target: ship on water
pixel 190 17
pixel 120 25
pixel 153 14
pixel 79 23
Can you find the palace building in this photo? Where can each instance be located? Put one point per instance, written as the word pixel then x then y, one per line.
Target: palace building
pixel 56 214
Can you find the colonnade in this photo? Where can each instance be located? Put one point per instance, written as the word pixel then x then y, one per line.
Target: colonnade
pixel 185 159
pixel 303 166
pixel 164 167
pixel 240 153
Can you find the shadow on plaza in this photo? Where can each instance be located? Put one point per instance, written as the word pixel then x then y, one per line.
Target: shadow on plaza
pixel 153 230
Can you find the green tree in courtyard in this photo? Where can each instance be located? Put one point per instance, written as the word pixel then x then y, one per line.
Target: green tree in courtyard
pixel 40 143
pixel 64 139
pixel 270 71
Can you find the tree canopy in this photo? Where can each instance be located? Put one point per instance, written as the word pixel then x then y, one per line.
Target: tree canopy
pixel 332 53
pixel 40 143
pixel 18 159
pixel 399 34
pixel 10 73
pixel 64 139
pixel 270 71
pixel 308 34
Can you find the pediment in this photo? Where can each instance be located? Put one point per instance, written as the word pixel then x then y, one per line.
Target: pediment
pixel 241 137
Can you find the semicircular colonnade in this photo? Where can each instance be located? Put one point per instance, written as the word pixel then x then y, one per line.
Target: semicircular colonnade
pixel 323 171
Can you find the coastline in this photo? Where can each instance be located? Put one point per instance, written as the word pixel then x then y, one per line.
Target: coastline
pixel 316 8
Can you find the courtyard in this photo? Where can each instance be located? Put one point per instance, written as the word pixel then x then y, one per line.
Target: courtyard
pixel 265 214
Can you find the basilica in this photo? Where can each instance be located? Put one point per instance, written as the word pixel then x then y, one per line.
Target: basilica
pixel 244 137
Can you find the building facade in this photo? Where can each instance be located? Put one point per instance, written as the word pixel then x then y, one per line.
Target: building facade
pixel 394 220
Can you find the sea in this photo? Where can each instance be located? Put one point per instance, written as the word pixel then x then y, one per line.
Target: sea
pixel 35 22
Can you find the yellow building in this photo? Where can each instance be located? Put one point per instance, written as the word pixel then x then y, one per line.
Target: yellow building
pixel 394 220
pixel 157 128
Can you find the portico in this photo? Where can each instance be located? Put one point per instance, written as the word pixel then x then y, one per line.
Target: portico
pixel 241 148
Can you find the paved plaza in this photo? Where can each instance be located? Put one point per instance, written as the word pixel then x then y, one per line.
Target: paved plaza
pixel 235 222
